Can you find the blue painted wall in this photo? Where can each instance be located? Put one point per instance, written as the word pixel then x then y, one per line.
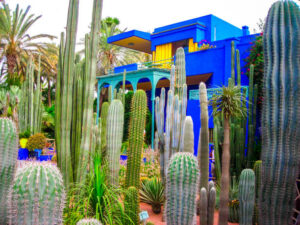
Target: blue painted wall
pixel 129 67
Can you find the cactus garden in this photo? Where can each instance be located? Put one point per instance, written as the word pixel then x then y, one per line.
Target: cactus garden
pixel 195 123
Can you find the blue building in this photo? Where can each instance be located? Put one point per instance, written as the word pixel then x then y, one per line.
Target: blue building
pixel 209 65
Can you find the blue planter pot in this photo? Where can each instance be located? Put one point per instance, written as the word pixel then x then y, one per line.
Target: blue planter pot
pixel 38 153
pixel 123 157
pixel 23 154
pixel 45 157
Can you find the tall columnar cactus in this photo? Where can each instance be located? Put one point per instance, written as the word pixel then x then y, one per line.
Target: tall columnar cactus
pixel 257 171
pixel 188 135
pixel 232 63
pixel 170 134
pixel 114 135
pixel 72 147
pixel 203 148
pixel 280 113
pixel 8 159
pixel 136 138
pixel 238 67
pixel 207 204
pixel 30 109
pixel 103 116
pixel 180 78
pixel 181 189
pixel 246 196
pixel 89 222
pixel 37 195
pixel 131 205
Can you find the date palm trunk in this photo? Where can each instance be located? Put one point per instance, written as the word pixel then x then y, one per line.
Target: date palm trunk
pixel 225 178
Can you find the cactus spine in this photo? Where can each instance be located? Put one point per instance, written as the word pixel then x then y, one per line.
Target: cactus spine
pixel 181 189
pixel 114 129
pixel 131 205
pixel 8 159
pixel 203 152
pixel 207 204
pixel 136 138
pixel 188 135
pixel 280 113
pixel 37 195
pixel 88 222
pixel 246 196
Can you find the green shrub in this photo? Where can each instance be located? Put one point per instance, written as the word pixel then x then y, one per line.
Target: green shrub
pixel 36 141
pixel 25 134
pixel 152 192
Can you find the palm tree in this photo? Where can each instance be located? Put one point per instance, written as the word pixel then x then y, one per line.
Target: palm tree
pixel 110 55
pixel 15 42
pixel 228 104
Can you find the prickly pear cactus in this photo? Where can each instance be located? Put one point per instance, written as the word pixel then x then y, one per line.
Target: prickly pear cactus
pixel 8 159
pixel 37 195
pixel 88 222
pixel 181 189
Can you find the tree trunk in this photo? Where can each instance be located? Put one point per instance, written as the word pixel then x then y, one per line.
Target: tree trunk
pixel 225 178
pixel 49 93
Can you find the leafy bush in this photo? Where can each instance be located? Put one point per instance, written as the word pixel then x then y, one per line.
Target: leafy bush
pixel 36 141
pixel 25 134
pixel 152 192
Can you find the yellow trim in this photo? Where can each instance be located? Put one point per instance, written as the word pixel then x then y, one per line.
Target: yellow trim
pixel 192 46
pixel 163 55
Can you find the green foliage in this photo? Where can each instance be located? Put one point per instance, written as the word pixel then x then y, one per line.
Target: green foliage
pixel 136 138
pixel 25 134
pixel 152 192
pixel 233 201
pixel 148 127
pixel 181 189
pixel 48 122
pixel 128 99
pixel 8 157
pixel 44 184
pixel 256 58
pixel 227 102
pixel 36 141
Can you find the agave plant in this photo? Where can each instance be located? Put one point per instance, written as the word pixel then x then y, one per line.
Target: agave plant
pixel 152 192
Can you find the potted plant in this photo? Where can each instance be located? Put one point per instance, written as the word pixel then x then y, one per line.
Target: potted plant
pixel 23 151
pixel 36 143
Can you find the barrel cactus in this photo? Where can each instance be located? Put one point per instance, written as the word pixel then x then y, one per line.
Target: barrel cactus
pixel 280 114
pixel 37 195
pixel 114 135
pixel 89 222
pixel 8 159
pixel 181 189
pixel 246 196
pixel 136 138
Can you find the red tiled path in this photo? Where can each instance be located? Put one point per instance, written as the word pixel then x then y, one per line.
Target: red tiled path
pixel 157 219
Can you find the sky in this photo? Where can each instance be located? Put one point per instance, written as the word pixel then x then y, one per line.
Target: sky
pixel 144 15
